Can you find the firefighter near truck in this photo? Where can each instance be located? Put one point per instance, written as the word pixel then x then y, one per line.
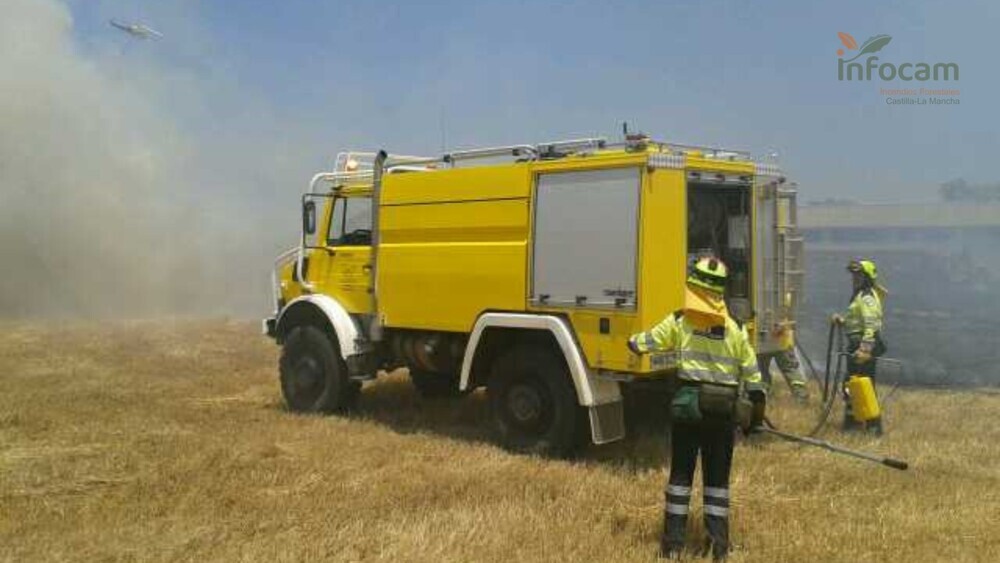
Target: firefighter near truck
pixel 524 270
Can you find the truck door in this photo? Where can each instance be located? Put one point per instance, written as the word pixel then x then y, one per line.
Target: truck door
pixel 779 268
pixel 719 224
pixel 346 266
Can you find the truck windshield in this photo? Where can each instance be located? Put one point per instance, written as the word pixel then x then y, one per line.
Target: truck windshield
pixel 351 222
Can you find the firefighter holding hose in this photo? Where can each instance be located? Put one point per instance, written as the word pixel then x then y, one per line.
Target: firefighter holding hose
pixel 714 359
pixel 863 324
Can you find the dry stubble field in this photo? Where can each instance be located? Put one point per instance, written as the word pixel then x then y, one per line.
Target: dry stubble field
pixel 167 440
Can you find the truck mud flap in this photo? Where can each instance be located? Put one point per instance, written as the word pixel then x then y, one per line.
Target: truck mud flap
pixel 607 422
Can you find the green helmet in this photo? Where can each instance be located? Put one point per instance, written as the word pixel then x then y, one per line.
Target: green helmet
pixel 866 267
pixel 709 273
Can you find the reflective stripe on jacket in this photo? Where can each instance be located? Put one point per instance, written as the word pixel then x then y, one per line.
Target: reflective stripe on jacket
pixel 722 355
pixel 864 316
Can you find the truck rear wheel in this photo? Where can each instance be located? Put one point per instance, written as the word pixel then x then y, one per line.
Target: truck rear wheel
pixel 435 385
pixel 534 405
pixel 313 375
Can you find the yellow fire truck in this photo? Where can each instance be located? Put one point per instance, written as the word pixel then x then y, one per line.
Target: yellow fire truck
pixel 523 270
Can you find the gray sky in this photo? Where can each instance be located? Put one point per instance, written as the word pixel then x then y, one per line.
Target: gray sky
pixel 313 77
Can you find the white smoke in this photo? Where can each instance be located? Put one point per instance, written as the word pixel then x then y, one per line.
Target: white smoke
pixel 100 213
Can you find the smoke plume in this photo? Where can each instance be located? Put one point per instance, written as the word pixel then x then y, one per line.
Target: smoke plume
pixel 99 212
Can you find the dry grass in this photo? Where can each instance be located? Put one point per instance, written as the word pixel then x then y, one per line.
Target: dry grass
pixel 168 441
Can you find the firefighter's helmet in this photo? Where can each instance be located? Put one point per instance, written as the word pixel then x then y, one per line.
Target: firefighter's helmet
pixel 708 273
pixel 866 267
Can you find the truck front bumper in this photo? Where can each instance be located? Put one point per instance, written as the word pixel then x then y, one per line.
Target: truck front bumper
pixel 268 327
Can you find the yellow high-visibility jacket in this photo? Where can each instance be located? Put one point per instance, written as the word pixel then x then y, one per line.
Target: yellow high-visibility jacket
pixel 864 316
pixel 721 354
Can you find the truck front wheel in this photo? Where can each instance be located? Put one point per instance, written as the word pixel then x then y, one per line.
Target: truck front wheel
pixel 533 403
pixel 313 375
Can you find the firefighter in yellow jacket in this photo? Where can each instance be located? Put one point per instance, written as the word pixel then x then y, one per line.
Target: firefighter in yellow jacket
pixel 863 325
pixel 787 360
pixel 714 360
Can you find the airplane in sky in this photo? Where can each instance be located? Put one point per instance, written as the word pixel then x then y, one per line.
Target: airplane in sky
pixel 137 30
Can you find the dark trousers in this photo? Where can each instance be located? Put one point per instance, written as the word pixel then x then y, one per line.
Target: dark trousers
pixel 714 439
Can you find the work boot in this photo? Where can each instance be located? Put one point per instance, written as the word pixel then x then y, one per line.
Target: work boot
pixel 850 423
pixel 875 427
pixel 668 550
pixel 718 538
pixel 672 538
pixel 719 552
pixel 800 393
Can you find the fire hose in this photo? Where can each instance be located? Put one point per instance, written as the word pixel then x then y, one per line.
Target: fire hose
pixel 832 381
pixel 886 461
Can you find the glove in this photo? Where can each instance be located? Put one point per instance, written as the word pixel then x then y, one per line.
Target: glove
pixel 632 347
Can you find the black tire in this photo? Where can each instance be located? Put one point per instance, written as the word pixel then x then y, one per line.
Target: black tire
pixel 533 403
pixel 313 375
pixel 435 385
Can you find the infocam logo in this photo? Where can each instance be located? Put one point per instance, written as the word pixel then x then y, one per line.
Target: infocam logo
pixel 921 72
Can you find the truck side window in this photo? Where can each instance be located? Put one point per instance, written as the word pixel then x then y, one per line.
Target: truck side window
pixel 351 222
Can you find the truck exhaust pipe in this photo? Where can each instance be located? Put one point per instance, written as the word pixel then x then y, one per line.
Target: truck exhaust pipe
pixel 378 170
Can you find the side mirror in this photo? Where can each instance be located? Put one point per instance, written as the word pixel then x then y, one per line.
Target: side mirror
pixel 309 217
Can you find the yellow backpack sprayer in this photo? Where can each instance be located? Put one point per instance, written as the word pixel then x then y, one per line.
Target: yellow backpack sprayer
pixel 864 401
